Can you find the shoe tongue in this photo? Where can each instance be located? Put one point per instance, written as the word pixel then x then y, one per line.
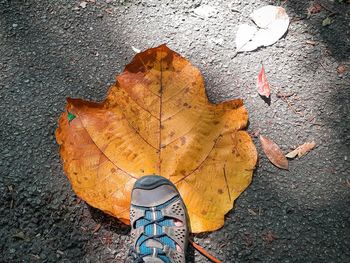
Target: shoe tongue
pixel 150 259
pixel 151 243
pixel 153 197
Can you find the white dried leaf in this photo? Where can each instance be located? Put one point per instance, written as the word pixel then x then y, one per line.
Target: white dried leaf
pixel 245 33
pixel 272 22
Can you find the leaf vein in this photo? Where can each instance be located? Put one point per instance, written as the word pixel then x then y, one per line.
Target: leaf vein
pixel 102 153
pixel 204 160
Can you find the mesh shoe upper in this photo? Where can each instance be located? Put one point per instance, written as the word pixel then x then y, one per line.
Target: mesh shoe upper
pixel 158 221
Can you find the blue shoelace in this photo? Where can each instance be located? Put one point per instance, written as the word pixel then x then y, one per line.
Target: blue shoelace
pixel 153 223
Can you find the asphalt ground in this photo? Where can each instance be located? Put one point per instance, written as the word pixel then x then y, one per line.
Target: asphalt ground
pixel 50 50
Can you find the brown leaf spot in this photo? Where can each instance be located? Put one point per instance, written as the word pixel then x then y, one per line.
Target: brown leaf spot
pixel 176 147
pixel 172 134
pixel 183 172
pixel 220 191
pixel 135 111
pixel 203 212
pixel 183 140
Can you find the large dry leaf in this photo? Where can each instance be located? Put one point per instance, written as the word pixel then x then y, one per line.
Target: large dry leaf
pixel 157 119
pixel 274 153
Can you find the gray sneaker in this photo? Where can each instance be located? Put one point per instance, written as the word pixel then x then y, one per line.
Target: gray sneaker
pixel 158 218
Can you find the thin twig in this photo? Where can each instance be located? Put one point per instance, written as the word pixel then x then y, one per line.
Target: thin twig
pixel 327 8
pixel 328 71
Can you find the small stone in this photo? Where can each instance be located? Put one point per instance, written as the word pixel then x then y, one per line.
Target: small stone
pixel 204 11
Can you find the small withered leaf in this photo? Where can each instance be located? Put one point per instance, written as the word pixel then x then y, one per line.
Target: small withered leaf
pixel 273 153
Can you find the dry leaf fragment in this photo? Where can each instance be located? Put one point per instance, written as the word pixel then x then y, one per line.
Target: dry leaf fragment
pixel 19 235
pixel 272 22
pixel 157 119
pixel 327 21
pixel 269 237
pixel 314 9
pixel 252 212
pixel 109 11
pixel 97 227
pixel 262 84
pixel 83 4
pixel 311 42
pixel 301 150
pixel 136 50
pixel 341 69
pixel 274 153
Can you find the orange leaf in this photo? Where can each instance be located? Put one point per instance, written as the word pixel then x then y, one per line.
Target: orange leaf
pixel 274 153
pixel 157 119
pixel 262 84
pixel 301 150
